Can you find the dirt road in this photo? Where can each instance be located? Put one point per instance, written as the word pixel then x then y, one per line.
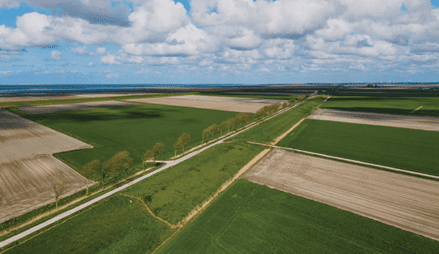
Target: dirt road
pixel 406 202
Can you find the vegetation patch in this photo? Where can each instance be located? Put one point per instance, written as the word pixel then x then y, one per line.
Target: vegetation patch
pixel 388 105
pixel 267 131
pixel 251 218
pixel 134 129
pixel 172 194
pixel 118 225
pixel 414 150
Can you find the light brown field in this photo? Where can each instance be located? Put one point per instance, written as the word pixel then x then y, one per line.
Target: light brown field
pixel 234 104
pixel 406 202
pixel 73 107
pixel 428 123
pixel 27 168
pixel 77 96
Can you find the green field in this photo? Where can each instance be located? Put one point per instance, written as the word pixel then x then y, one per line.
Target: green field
pixel 251 218
pixel 390 105
pixel 408 149
pixel 266 132
pixel 114 226
pixel 132 128
pixel 175 192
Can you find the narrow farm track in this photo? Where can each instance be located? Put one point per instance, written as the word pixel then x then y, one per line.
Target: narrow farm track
pixel 108 194
pixel 407 202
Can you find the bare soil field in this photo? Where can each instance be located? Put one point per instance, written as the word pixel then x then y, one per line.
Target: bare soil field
pixel 427 123
pixel 73 107
pixel 406 202
pixel 77 96
pixel 27 168
pixel 234 104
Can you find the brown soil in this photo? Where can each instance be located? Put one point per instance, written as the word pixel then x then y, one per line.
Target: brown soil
pixel 427 123
pixel 406 202
pixel 234 104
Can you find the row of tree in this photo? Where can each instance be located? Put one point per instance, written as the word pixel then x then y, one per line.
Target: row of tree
pixel 238 120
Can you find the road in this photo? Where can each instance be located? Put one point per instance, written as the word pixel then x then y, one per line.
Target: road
pixel 106 195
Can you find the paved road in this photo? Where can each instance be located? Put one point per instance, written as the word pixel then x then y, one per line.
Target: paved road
pixel 91 202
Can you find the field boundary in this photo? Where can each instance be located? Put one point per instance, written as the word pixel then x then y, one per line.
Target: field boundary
pixel 351 161
pixel 151 212
pixel 286 133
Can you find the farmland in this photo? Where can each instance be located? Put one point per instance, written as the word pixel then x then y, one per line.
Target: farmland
pixel 414 150
pixel 247 105
pixel 251 218
pixel 118 225
pixel 427 123
pixel 407 202
pixel 393 105
pixel 73 107
pixel 266 132
pixel 28 170
pixel 132 128
pixel 259 96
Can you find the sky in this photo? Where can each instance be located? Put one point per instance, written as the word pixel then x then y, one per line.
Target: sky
pixel 218 41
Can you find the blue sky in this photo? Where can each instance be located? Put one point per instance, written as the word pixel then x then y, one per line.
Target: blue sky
pixel 218 41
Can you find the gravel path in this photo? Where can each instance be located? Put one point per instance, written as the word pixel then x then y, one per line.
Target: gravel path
pixel 407 202
pixel 427 123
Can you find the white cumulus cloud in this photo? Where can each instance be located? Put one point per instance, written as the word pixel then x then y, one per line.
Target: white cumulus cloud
pixel 56 55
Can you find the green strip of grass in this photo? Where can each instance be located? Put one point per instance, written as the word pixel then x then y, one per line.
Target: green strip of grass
pixel 114 226
pixel 173 193
pixel 389 105
pixel 251 218
pixel 414 150
pixel 267 131
pixel 132 128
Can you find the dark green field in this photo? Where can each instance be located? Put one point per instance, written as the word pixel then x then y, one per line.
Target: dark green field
pixel 115 226
pixel 132 128
pixel 251 218
pixel 408 149
pixel 391 105
pixel 173 193
pixel 266 132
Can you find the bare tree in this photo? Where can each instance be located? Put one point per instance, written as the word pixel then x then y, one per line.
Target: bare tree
pixel 227 124
pixel 58 188
pixel 177 145
pixel 185 139
pixel 90 170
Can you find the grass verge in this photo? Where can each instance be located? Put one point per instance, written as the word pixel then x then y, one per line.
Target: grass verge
pixel 267 131
pixel 251 218
pixel 172 194
pixel 414 150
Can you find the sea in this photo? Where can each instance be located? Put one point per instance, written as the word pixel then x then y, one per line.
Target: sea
pixel 48 89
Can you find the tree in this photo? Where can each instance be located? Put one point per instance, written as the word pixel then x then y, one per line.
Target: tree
pixel 247 118
pixel 292 101
pixel 177 145
pixel 213 128
pixel 227 124
pixel 158 148
pixel 205 134
pixel 58 188
pixel 284 105
pixel 185 139
pixel 90 170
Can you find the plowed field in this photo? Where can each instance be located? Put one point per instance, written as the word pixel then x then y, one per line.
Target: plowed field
pixel 27 169
pixel 234 104
pixel 428 123
pixel 406 202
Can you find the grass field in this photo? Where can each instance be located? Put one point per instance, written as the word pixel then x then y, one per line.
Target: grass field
pixel 174 193
pixel 390 105
pixel 132 128
pixel 408 149
pixel 114 226
pixel 268 131
pixel 251 218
